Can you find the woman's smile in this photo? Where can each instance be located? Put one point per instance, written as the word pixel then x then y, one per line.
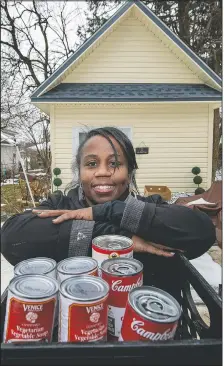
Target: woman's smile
pixel 103 188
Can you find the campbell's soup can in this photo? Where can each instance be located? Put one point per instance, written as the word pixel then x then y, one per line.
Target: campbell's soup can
pixel 76 266
pixel 122 275
pixel 151 315
pixel 111 246
pixel 30 309
pixel 39 265
pixel 83 309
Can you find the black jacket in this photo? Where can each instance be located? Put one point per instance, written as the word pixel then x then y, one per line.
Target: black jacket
pixel 26 235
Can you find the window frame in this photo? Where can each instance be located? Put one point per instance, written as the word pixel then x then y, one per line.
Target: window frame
pixel 77 130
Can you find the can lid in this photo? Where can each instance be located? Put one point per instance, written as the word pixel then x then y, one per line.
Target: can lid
pixel 33 286
pixel 40 265
pixel 122 266
pixel 112 242
pixel 77 265
pixel 84 288
pixel 154 304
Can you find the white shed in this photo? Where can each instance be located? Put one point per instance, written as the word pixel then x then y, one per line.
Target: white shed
pixel 136 74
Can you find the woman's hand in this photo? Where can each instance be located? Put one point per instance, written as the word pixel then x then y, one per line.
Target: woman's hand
pixel 63 215
pixel 142 246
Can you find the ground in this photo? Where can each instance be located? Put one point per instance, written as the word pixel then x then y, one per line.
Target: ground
pixel 6 273
pixel 216 254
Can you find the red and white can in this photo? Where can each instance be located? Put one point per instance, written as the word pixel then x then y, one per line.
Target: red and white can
pixel 39 265
pixel 76 266
pixel 122 275
pixel 30 309
pixel 111 246
pixel 151 315
pixel 83 309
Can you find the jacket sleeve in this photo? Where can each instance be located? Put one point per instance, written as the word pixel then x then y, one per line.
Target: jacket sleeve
pixel 174 226
pixel 26 235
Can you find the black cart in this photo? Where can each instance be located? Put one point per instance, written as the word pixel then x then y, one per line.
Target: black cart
pixel 195 343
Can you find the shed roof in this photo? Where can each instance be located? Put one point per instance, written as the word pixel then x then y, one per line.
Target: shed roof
pixel 98 92
pixel 213 79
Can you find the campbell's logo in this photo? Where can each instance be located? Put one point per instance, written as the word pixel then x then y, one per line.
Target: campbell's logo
pixel 113 255
pixel 95 308
pixel 138 327
pixel 32 307
pixel 117 285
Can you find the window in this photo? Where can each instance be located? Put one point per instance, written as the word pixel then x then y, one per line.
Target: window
pixel 78 135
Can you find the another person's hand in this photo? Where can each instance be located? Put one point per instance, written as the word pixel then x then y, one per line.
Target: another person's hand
pixel 63 215
pixel 142 246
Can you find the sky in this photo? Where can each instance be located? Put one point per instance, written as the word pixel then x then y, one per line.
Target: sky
pixel 75 16
pixel 75 11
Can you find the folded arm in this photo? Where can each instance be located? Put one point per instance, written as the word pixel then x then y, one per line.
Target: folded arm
pixel 26 235
pixel 170 225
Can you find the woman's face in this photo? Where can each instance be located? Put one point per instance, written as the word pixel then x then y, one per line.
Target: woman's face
pixel 100 181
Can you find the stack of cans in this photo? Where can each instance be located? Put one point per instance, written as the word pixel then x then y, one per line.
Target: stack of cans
pixel 90 299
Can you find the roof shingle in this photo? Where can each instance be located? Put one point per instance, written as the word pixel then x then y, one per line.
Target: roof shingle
pixel 97 92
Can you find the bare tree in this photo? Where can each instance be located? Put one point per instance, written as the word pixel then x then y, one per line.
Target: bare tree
pixel 36 39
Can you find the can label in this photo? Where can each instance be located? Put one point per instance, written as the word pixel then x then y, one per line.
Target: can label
pixel 118 295
pixel 136 328
pixel 115 318
pixel 28 320
pixel 101 255
pixel 83 322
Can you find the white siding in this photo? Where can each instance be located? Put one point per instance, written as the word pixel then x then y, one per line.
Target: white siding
pixel 9 157
pixel 176 134
pixel 132 54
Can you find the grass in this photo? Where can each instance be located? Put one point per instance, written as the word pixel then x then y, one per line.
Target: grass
pixel 11 196
pixel 16 197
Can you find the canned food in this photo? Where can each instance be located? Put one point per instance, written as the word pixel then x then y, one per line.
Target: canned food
pixel 111 246
pixel 76 266
pixel 151 315
pixel 30 309
pixel 83 309
pixel 122 275
pixel 39 265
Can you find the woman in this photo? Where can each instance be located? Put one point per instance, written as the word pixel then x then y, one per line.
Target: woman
pixel 104 201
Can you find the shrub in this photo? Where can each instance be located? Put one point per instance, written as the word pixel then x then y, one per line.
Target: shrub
pixel 199 190
pixel 57 171
pixel 57 182
pixel 197 179
pixel 196 170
